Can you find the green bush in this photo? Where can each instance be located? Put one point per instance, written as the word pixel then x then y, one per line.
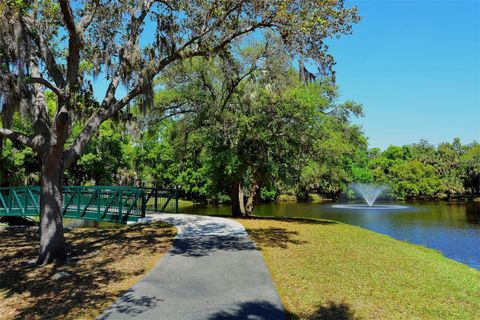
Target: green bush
pixel 313 197
pixel 267 194
pixel 286 198
pixel 223 198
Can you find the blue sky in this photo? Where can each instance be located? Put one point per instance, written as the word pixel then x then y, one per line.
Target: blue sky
pixel 415 66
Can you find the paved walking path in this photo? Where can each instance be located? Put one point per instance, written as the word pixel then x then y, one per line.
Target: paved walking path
pixel 213 271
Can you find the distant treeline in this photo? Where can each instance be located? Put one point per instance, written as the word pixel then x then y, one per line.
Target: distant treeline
pixel 422 170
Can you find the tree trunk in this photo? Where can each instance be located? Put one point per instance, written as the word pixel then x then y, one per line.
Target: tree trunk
pixel 238 208
pixel 251 198
pixel 7 120
pixel 477 185
pixel 52 241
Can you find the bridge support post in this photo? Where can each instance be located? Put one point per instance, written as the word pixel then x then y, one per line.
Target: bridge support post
pixel 120 207
pixel 144 203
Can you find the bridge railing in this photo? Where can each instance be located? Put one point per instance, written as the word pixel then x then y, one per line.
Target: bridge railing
pixel 103 203
pixel 100 203
pixel 161 199
pixel 19 201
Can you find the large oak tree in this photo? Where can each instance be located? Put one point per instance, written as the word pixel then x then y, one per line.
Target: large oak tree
pixel 62 45
pixel 249 122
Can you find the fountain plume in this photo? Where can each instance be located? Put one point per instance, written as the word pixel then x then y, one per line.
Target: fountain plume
pixel 369 192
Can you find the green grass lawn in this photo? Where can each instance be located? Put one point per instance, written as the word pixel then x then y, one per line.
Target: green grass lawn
pixel 329 270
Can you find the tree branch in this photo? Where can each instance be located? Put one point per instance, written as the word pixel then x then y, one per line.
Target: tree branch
pixel 202 53
pixel 41 123
pixel 68 16
pixel 226 40
pixel 136 23
pixel 88 17
pixel 173 114
pixel 93 124
pixel 74 43
pixel 208 29
pixel 20 137
pixel 47 84
pixel 109 107
pixel 44 51
pixel 235 84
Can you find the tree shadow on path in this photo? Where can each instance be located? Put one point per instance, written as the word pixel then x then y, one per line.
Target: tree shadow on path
pixel 131 305
pixel 254 310
pixel 205 245
pixel 200 246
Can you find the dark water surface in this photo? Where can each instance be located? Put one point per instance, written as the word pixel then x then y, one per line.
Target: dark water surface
pixel 450 227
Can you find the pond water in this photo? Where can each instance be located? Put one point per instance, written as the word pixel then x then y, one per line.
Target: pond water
pixel 450 227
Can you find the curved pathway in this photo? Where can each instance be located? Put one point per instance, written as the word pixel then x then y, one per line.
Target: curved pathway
pixel 213 271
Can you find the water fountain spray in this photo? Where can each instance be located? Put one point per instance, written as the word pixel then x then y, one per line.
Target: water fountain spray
pixel 369 192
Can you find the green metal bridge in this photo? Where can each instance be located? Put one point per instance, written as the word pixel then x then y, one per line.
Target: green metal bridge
pixel 98 203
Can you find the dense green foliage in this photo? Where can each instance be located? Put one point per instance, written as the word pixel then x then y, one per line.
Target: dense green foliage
pixel 422 170
pixel 166 157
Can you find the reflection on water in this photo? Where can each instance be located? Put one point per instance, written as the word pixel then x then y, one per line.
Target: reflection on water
pixel 450 227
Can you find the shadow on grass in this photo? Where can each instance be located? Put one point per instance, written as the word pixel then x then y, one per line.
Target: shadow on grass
pixel 265 310
pixel 100 260
pixel 302 220
pixel 330 311
pixel 274 237
pixel 277 237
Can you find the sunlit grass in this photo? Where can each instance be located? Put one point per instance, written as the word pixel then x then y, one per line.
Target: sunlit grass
pixel 105 263
pixel 328 270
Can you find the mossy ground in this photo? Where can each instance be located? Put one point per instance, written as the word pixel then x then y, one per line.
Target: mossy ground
pixel 105 263
pixel 328 270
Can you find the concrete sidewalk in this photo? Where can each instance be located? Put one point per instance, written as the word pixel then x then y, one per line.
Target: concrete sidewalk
pixel 213 271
